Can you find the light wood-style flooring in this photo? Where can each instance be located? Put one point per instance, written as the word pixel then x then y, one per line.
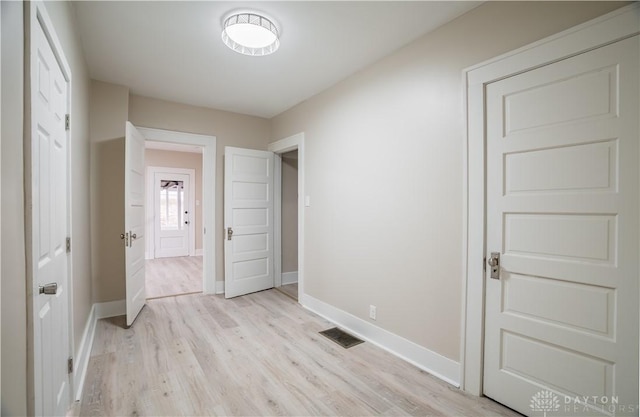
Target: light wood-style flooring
pixel 290 289
pixel 173 276
pixel 256 355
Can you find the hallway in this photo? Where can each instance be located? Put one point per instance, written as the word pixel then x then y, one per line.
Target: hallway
pixel 173 276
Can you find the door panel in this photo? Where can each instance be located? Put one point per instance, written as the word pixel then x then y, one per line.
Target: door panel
pixel 562 211
pixel 172 219
pixel 248 211
pixel 49 222
pixel 134 222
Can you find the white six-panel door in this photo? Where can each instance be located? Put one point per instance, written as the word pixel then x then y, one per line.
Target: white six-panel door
pixel 248 219
pixel 562 211
pixel 134 222
pixel 49 201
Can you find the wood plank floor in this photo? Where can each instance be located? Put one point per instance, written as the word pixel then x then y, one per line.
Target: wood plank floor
pixel 256 355
pixel 290 289
pixel 173 276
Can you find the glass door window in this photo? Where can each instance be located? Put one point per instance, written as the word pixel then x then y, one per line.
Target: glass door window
pixel 172 205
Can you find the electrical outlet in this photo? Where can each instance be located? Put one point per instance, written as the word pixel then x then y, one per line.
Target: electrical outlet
pixel 372 312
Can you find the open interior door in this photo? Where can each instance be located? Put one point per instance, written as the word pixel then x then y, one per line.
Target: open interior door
pixel 134 221
pixel 248 219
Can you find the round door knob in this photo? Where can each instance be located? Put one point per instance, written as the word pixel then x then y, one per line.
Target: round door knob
pixel 133 236
pixel 493 262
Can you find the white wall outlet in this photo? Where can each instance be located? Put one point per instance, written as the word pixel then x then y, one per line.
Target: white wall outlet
pixel 372 312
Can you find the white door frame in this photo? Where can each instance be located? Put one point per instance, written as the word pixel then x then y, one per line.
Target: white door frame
pixel 0 171
pixel 37 15
pixel 151 206
pixel 614 26
pixel 279 147
pixel 208 144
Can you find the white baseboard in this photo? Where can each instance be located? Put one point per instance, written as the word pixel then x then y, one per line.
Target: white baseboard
pixel 437 365
pixel 289 277
pixel 110 309
pixel 199 252
pixel 219 287
pixel 81 360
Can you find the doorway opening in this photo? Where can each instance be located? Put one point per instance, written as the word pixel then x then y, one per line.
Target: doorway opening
pixel 252 242
pixel 290 157
pixel 289 224
pixel 174 252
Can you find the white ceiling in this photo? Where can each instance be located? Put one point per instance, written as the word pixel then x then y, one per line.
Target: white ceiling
pixel 172 50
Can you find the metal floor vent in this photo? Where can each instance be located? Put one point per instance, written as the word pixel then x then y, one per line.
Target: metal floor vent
pixel 342 338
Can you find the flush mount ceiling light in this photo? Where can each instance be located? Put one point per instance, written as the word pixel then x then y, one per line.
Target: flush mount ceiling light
pixel 250 34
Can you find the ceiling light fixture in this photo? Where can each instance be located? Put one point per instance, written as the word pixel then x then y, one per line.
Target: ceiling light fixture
pixel 250 34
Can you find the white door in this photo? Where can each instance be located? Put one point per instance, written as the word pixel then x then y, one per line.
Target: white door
pixel 49 213
pixel 248 219
pixel 562 211
pixel 172 219
pixel 134 221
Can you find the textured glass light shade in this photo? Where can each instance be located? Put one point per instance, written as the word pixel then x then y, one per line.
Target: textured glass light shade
pixel 250 34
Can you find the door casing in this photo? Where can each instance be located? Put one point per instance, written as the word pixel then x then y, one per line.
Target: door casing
pixel 208 144
pixel 609 28
pixel 291 143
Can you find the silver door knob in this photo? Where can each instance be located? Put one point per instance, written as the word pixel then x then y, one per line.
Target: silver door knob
pixel 133 236
pixel 494 263
pixel 48 289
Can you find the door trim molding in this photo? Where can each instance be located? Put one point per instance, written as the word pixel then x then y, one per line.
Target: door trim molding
pixel 279 147
pixel 208 144
pixel 606 29
pixel 151 202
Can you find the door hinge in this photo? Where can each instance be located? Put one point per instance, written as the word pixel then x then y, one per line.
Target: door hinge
pixel 68 245
pixel 70 365
pixel 67 121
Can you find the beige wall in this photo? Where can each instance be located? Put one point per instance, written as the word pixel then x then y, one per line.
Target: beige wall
pixel 290 212
pixel 186 160
pixel 230 129
pixel 14 306
pixel 13 285
pixel 109 109
pixel 383 158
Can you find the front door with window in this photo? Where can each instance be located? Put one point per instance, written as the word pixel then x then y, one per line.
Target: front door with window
pixel 172 216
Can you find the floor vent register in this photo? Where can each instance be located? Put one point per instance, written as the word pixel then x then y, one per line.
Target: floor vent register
pixel 341 337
